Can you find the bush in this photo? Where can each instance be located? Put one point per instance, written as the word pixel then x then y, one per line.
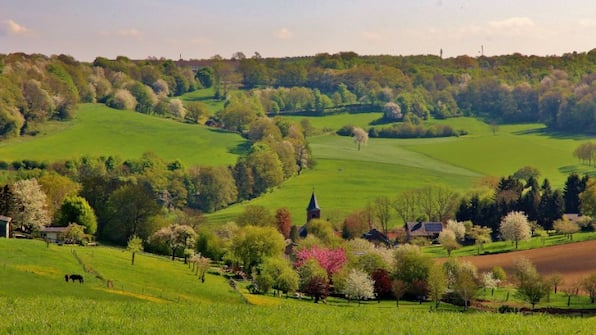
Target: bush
pixel 507 309
pixel 346 130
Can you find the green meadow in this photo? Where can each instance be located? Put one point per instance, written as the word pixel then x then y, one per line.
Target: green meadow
pixel 160 296
pixel 205 96
pixel 346 179
pixel 343 177
pixel 101 131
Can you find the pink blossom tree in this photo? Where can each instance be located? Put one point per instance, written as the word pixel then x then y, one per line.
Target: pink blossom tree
pixel 330 259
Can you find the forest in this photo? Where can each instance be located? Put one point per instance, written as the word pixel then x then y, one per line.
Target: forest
pixel 558 91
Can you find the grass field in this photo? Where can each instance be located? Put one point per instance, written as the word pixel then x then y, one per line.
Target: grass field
pixel 158 296
pixel 205 96
pixel 99 130
pixel 344 178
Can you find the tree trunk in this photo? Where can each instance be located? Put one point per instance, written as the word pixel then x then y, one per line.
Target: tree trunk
pixel 173 253
pixel 568 300
pixel 132 259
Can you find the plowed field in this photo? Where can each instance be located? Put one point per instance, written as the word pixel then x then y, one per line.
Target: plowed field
pixel 573 260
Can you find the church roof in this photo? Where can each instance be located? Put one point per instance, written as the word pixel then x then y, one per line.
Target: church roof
pixel 312 205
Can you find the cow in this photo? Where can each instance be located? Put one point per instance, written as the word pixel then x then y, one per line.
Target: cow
pixel 74 277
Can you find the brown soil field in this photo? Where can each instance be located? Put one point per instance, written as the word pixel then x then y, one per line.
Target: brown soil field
pixel 573 260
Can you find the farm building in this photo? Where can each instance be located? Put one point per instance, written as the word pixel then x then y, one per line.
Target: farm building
pixel 53 234
pixel 376 237
pixel 430 230
pixel 5 226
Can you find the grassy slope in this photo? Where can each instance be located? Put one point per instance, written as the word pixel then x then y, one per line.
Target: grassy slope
pixel 205 96
pixel 344 178
pixel 512 147
pixel 159 296
pixel 99 130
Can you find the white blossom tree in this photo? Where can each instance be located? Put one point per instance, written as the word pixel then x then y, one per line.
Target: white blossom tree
pixel 448 241
pixel 515 227
pixel 360 136
pixel 176 108
pixel 489 281
pixel 202 264
pixel 392 112
pixel 457 228
pixel 29 208
pixel 175 237
pixel 123 99
pixel 359 285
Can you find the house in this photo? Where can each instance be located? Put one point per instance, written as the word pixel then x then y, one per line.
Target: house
pixel 53 234
pixel 313 211
pixel 376 237
pixel 5 226
pixel 429 230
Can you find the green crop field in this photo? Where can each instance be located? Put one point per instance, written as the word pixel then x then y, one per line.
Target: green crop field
pixel 99 130
pixel 158 296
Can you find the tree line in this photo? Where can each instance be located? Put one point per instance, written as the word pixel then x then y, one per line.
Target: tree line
pixel 557 91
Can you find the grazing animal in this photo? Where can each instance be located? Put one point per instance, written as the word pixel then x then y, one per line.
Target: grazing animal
pixel 74 277
pixel 66 278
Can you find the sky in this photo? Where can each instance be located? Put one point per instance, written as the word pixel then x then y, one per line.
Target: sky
pixel 199 29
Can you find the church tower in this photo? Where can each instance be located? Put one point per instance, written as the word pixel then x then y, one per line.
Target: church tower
pixel 313 211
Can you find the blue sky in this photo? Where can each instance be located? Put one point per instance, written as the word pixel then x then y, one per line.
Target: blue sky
pixel 200 29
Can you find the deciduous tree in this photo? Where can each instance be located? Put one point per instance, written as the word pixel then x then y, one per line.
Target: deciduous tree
pixel 135 245
pixel 283 220
pixel 515 227
pixel 382 212
pixel 255 215
pixel 566 227
pixel 76 209
pixel 29 211
pixel 589 285
pixel 437 283
pixel 253 244
pixel 360 136
pixel 131 207
pixel 448 241
pixel 358 285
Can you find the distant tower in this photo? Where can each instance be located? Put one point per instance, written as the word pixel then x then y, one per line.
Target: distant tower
pixel 313 211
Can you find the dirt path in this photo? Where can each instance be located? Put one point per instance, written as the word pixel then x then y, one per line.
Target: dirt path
pixel 573 260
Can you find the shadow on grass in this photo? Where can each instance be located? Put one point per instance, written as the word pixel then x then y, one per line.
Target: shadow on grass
pixel 241 149
pixel 578 169
pixel 554 134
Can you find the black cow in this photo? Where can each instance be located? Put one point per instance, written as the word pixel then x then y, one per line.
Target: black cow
pixel 74 277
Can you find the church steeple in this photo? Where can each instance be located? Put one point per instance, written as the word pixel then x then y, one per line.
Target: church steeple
pixel 313 211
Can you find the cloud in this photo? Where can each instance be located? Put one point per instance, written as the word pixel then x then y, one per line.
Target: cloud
pixel 284 34
pixel 512 23
pixel 127 33
pixel 12 28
